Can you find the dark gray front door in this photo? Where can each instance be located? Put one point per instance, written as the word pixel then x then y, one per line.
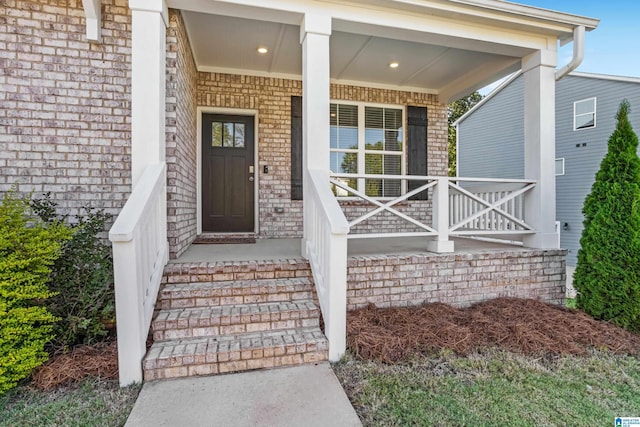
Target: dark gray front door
pixel 227 173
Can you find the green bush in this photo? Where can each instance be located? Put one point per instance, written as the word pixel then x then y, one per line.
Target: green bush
pixel 28 249
pixel 82 278
pixel 607 275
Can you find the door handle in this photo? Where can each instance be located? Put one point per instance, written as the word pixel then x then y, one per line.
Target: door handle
pixel 251 179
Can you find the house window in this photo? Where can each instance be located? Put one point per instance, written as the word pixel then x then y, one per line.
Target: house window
pixel 368 139
pixel 584 114
pixel 560 166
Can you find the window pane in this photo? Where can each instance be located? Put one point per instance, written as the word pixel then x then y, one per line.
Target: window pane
pixel 585 121
pixel 343 162
pixel 374 139
pixel 216 134
pixel 333 115
pixel 387 165
pixel 239 135
pixel 587 106
pixel 347 115
pixel 341 191
pixel 374 117
pixel 343 137
pixel 391 165
pixel 392 140
pixel 392 118
pixel 227 135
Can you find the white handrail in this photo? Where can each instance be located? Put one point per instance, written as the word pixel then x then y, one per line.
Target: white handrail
pixel 140 252
pixel 327 253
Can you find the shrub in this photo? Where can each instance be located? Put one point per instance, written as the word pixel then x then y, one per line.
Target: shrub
pixel 82 278
pixel 28 249
pixel 607 275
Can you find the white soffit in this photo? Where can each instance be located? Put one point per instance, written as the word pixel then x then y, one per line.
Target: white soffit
pixel 229 44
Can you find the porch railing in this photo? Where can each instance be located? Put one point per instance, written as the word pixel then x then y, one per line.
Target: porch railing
pixel 326 248
pixel 140 252
pixel 459 206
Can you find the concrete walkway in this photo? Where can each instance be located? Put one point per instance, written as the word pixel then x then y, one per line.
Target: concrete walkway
pixel 306 395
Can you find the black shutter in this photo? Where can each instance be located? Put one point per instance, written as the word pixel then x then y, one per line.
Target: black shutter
pixel 296 148
pixel 417 147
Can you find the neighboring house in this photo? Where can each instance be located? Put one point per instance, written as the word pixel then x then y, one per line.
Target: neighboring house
pixel 191 118
pixel 491 135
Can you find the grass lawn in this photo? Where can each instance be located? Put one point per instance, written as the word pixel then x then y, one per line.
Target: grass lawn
pixel 94 402
pixel 496 388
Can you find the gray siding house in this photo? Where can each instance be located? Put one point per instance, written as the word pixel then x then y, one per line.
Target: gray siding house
pixel 491 135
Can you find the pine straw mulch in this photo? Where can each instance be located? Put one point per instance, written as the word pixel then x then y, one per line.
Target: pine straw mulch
pixel 98 360
pixel 522 326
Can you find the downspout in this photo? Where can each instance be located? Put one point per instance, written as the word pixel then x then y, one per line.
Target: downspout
pixel 578 53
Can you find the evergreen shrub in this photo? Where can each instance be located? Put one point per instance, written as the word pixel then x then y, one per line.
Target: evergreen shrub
pixel 82 278
pixel 28 249
pixel 607 275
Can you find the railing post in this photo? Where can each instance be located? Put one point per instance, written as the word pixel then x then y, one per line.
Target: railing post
pixel 440 211
pixel 129 312
pixel 336 323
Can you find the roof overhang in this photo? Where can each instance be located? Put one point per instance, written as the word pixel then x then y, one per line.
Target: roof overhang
pixel 449 48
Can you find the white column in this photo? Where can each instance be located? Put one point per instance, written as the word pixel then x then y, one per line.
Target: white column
pixel 149 19
pixel 315 31
pixel 540 147
pixel 440 210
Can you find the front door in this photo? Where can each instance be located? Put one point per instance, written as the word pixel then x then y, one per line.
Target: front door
pixel 227 173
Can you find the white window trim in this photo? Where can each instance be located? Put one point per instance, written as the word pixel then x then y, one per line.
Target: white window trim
pixel 361 143
pixel 563 165
pixel 595 114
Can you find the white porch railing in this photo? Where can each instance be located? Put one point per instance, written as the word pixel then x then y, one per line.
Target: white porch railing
pixel 327 253
pixel 482 206
pixel 460 206
pixel 140 252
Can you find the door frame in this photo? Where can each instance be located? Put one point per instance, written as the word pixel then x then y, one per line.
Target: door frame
pixel 231 111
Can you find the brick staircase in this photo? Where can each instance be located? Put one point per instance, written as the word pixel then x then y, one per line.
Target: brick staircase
pixel 234 316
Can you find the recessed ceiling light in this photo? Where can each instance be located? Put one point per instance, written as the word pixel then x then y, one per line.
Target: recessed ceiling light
pixel 263 50
pixel 394 65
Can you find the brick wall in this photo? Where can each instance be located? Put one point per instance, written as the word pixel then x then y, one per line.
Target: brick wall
pixel 65 116
pixel 271 97
pixel 181 133
pixel 459 279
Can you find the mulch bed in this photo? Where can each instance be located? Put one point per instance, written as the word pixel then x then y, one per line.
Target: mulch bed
pixel 98 360
pixel 522 326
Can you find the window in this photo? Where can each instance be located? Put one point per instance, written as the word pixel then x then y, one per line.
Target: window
pixel 584 114
pixel 227 135
pixel 368 139
pixel 560 166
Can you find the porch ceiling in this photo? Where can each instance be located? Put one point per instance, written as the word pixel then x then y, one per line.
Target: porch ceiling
pixel 229 44
pixel 447 47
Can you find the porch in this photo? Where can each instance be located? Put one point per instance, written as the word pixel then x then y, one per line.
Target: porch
pixel 308 181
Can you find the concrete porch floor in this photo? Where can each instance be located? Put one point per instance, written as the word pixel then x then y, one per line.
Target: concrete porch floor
pixel 273 249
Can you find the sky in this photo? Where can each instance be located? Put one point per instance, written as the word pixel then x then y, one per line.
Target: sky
pixel 613 47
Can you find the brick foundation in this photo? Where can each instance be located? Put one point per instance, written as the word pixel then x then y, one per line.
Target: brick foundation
pixel 459 279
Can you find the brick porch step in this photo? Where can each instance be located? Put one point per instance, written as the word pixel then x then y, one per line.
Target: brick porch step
pixel 218 317
pixel 206 294
pixel 231 353
pixel 234 319
pixel 235 270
